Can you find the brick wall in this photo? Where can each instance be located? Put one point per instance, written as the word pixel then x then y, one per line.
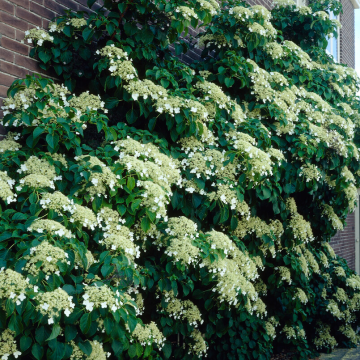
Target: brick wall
pixel 344 241
pixel 266 3
pixel 17 16
pixel 347 34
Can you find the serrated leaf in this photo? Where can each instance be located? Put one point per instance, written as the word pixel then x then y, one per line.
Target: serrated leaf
pixel 132 350
pixel 70 332
pixel 167 350
pixel 118 347
pixel 37 351
pixel 44 56
pixel 37 132
pixel 87 33
pixel 25 343
pixel 130 183
pixel 55 332
pixel 85 347
pixel 85 323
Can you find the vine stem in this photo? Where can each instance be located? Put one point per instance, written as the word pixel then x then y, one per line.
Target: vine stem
pixel 121 17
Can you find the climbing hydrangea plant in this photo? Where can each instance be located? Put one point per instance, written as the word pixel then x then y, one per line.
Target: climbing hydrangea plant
pixel 152 209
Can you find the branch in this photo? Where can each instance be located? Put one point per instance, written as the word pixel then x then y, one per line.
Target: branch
pixel 121 17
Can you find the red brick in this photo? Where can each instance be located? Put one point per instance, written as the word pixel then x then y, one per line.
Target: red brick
pixel 6 80
pixel 41 11
pixel 45 24
pixel 13 21
pixel 3 90
pixel 70 4
pixel 6 55
pixel 20 35
pixel 23 3
pixel 27 63
pixel 28 16
pixel 14 46
pixel 41 2
pixel 347 34
pixel 343 242
pixel 85 8
pixel 12 69
pixel 50 4
pixel 7 31
pixel 6 6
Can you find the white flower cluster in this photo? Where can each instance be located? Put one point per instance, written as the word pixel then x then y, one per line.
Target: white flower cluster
pixel 148 334
pixel 182 310
pixel 234 273
pixel 50 226
pixel 53 302
pixel 104 297
pixel 38 36
pixel 120 64
pixel 148 161
pixel 8 345
pixel 6 187
pixel 44 257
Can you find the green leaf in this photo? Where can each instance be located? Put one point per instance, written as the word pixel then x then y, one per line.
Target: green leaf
pixel 66 57
pixel 67 30
pixel 132 350
pixel 111 102
pixel 289 188
pixel 233 223
pixel 131 116
pixel 121 209
pixel 85 323
pixel 4 236
pixel 167 350
pixel 118 347
pixel 135 204
pixel 145 224
pixel 85 53
pixel 139 350
pixel 132 322
pixel 44 56
pixel 87 33
pixel 147 351
pixel 229 82
pixel 37 132
pixel 15 324
pixel 52 140
pixel 55 332
pixel 85 347
pixel 70 332
pixel 266 192
pixel 108 323
pixel 41 334
pixel 19 216
pixel 130 183
pixel 25 343
pixel 37 351
pixel 130 28
pixel 208 304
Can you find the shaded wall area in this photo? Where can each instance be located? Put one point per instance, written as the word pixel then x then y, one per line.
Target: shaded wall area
pixel 344 241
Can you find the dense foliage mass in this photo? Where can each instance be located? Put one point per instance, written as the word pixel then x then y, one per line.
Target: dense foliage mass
pixel 152 209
